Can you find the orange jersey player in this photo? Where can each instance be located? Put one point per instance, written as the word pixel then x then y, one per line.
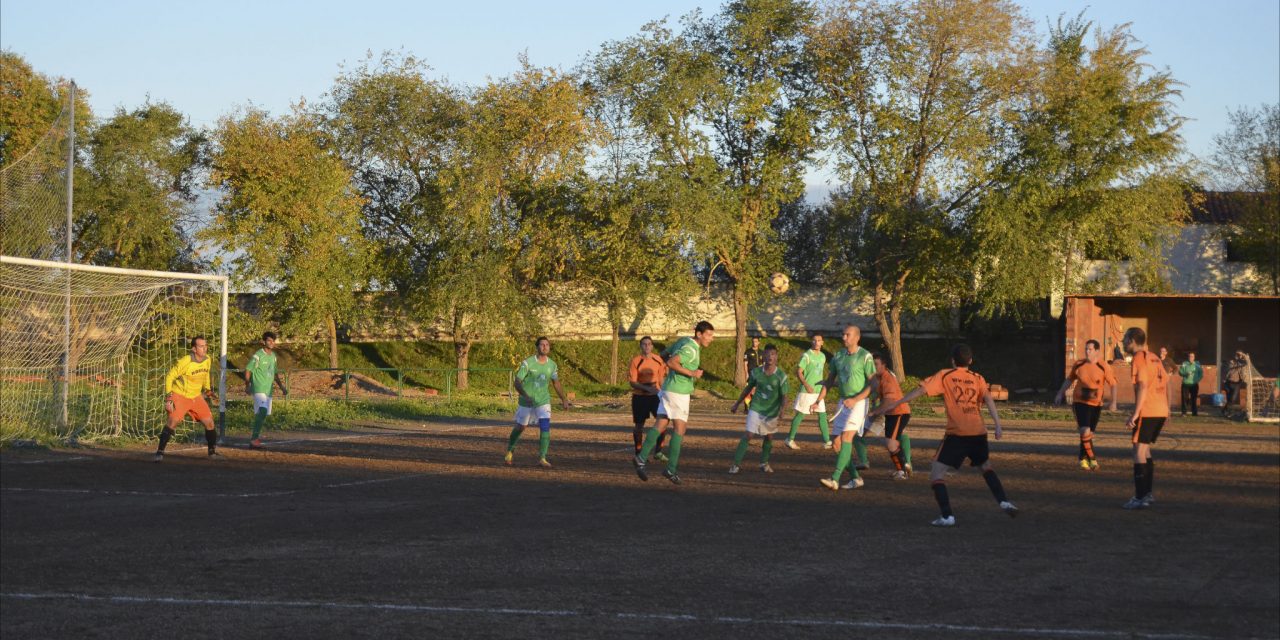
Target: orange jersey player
pixel 1091 375
pixel 896 439
pixel 963 392
pixel 645 375
pixel 1150 411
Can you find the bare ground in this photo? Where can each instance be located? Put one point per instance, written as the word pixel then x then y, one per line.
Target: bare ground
pixel 418 530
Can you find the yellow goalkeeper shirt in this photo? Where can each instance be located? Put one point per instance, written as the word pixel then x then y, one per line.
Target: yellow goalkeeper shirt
pixel 188 378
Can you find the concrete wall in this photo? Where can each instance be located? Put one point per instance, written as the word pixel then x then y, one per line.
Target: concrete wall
pixel 1196 262
pixel 802 309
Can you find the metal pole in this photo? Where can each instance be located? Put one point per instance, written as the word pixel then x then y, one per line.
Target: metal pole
pixel 222 375
pixel 1218 351
pixel 66 316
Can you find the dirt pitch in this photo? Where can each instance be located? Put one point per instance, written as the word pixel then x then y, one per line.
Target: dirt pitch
pixel 418 530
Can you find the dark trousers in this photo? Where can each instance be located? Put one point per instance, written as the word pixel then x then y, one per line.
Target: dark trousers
pixel 1191 395
pixel 1233 394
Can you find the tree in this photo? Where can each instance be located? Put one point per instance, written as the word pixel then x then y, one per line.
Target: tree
pixel 510 201
pixel 462 190
pixel 1093 167
pixel 1247 158
pixel 289 219
pixel 913 95
pixel 135 205
pixel 724 108
pixel 30 102
pixel 626 256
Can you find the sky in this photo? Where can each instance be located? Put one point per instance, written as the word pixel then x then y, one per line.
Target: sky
pixel 208 58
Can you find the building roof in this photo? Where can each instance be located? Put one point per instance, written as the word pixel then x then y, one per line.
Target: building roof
pixel 1223 207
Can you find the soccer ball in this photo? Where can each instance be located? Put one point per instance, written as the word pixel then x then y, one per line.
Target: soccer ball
pixel 779 283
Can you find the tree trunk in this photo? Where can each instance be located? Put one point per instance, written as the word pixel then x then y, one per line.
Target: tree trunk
pixel 333 340
pixel 740 336
pixel 615 320
pixel 461 358
pixel 461 350
pixel 889 320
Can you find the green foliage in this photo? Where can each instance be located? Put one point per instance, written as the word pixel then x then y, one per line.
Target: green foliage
pixel 584 364
pixel 724 111
pixel 1247 158
pixel 1093 170
pixel 913 95
pixel 135 207
pixel 288 219
pixel 29 104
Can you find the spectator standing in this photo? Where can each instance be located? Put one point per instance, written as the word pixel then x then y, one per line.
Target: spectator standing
pixel 1192 373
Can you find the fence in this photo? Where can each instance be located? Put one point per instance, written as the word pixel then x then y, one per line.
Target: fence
pixel 385 383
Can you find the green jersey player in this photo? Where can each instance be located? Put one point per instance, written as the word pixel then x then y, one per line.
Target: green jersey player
pixel 767 384
pixel 683 361
pixel 259 374
pixel 533 381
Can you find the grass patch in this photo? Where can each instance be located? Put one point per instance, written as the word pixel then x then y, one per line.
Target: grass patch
pixel 302 414
pixel 584 364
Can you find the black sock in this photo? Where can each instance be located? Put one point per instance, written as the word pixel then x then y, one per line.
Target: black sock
pixel 940 494
pixel 637 434
pixel 1139 480
pixel 1082 456
pixel 1151 475
pixel 211 437
pixel 165 434
pixel 993 483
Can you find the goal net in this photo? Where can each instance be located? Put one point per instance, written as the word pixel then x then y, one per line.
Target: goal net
pixel 84 350
pixel 1262 397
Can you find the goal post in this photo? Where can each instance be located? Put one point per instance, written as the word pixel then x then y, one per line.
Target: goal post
pixel 94 344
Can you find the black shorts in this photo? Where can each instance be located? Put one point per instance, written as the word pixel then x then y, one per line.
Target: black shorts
pixel 894 426
pixel 1086 415
pixel 1148 430
pixel 954 449
pixel 643 407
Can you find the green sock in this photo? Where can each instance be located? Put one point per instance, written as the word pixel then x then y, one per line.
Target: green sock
pixel 650 437
pixel 742 451
pixel 513 438
pixel 860 445
pixel 795 425
pixel 824 426
pixel 905 441
pixel 673 451
pixel 259 418
pixel 765 450
pixel 544 443
pixel 842 461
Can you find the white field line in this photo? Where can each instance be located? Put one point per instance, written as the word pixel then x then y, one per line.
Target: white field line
pixel 46 461
pixel 276 443
pixel 173 494
pixel 571 613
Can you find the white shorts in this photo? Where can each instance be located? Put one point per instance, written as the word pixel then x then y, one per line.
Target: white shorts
pixel 261 401
pixel 526 416
pixel 847 419
pixel 761 425
pixel 803 400
pixel 674 406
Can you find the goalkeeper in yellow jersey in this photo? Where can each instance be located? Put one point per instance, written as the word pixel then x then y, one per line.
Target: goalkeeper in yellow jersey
pixel 187 393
